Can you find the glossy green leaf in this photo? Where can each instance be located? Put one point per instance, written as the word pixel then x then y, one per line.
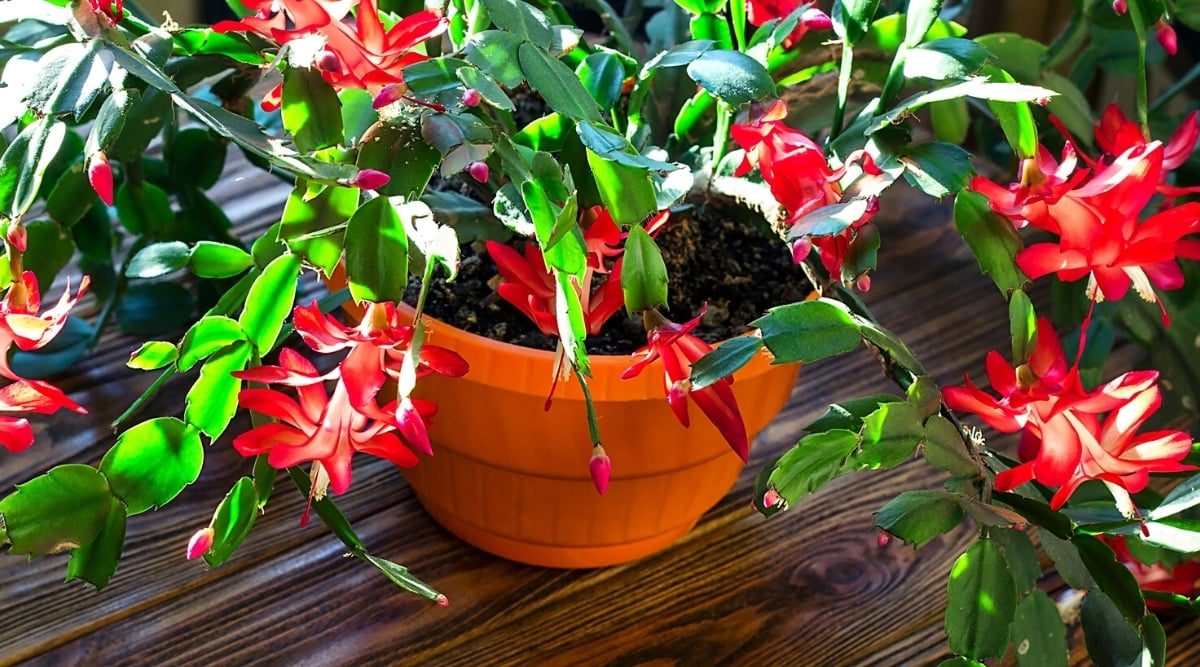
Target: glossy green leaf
pixel 313 228
pixel 206 336
pixel 264 479
pixel 919 18
pixel 377 253
pixel 158 259
pixel 71 197
pixel 1154 639
pixel 556 83
pixel 643 272
pixel 70 78
pixel 951 120
pixel 433 76
pixel 144 209
pixel 732 76
pixel 1182 497
pixel 1015 118
pixel 311 110
pixel 24 163
pixel 708 25
pixel 944 59
pixel 944 448
pixel 210 259
pixel 572 327
pixel 521 19
pixel 602 74
pixel 1019 56
pixel 992 239
pixel 232 522
pixel 399 150
pixel 1117 582
pixel 206 41
pixel 213 399
pixel 728 358
pixel 960 661
pixel 1022 326
pixel 49 249
pixel 891 434
pixel 852 18
pixel 1022 558
pixel 919 516
pixel 270 302
pixel 627 192
pixel 938 168
pixel 848 415
pixel 981 600
pixel 400 576
pixel 195 157
pixel 1038 635
pixel 979 87
pixel 153 355
pixel 1110 639
pixel 925 395
pixel 1066 560
pixel 891 344
pixel 96 562
pixel 611 145
pixel 64 508
pixel 805 468
pixel 152 462
pixel 808 331
pixel 492 52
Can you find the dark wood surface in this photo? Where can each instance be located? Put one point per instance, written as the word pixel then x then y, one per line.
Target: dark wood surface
pixel 808 587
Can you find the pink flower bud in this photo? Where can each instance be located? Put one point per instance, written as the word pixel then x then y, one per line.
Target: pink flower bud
pixel 478 171
pixel 601 469
pixel 1165 35
pixel 800 249
pixel 389 95
pixel 863 283
pixel 442 600
pixel 772 499
pixel 1120 6
pixel 200 543
pixel 883 538
pixel 100 175
pixel 472 98
pixel 327 61
pixel 17 236
pixel 815 19
pixel 370 179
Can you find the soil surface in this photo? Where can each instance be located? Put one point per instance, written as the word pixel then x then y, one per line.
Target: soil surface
pixel 734 265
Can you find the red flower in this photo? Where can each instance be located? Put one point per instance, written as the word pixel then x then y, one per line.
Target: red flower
pixel 327 430
pixel 352 54
pixel 530 286
pixel 801 180
pixel 1181 579
pixel 1070 436
pixel 111 10
pixel 1043 182
pixel 675 345
pixel 759 12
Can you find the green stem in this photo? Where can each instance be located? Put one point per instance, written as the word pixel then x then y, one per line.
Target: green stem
pixel 895 78
pixel 593 422
pixel 117 293
pixel 843 91
pixel 1143 105
pixel 167 374
pixel 721 136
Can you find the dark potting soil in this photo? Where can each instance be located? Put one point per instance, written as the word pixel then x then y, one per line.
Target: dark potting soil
pixel 734 265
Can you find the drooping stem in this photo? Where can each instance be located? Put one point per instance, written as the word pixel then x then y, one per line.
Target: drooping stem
pixel 843 91
pixel 593 422
pixel 1143 105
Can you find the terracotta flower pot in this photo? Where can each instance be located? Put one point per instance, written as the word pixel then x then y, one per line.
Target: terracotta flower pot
pixel 512 479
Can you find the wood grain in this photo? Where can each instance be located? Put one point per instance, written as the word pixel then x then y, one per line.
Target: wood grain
pixel 809 587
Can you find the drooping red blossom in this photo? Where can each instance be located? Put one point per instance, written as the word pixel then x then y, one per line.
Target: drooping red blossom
pixel 321 428
pixel 1070 435
pixel 1181 579
pixel 22 326
pixel 801 180
pixel 356 53
pixel 1116 135
pixel 759 12
pixel 1043 182
pixel 678 349
pixel 370 179
pixel 529 285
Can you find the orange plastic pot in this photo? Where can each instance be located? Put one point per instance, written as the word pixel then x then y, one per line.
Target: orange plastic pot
pixel 512 479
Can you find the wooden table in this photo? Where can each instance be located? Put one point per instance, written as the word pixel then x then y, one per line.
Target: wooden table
pixel 808 587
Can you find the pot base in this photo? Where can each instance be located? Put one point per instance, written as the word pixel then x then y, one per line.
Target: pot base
pixel 551 555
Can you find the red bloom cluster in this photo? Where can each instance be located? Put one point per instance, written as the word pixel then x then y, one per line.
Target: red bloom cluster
pixel 759 12
pixel 349 54
pixel 21 325
pixel 329 429
pixel 795 168
pixel 1069 435
pixel 1181 579
pixel 1095 211
pixel 678 349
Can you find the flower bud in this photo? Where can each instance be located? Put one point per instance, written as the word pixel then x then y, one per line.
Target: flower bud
pixel 327 61
pixel 800 249
pixel 601 469
pixel 99 174
pixel 442 600
pixel 370 179
pixel 200 543
pixel 472 98
pixel 1120 6
pixel 478 171
pixel 17 236
pixel 883 538
pixel 390 94
pixel 815 19
pixel 1165 35
pixel 863 283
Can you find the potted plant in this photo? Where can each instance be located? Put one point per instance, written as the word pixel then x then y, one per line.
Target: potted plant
pixel 591 171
